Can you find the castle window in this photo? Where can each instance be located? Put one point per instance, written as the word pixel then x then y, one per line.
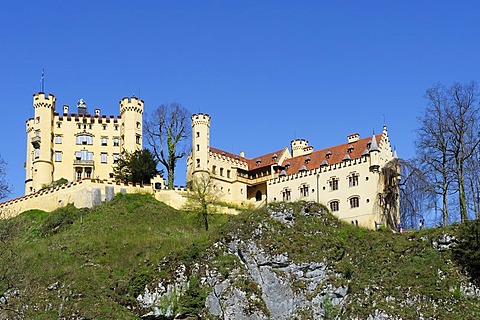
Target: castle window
pixel 84 139
pixel 214 169
pixel 104 141
pixel 198 147
pixel 334 206
pixel 198 134
pixel 59 124
pixel 83 155
pixel 37 120
pixel 104 157
pixel 354 202
pixel 115 142
pixel 286 193
pixel 58 139
pixel 79 174
pixel 137 139
pixel 198 163
pixel 104 127
pixel 58 156
pixel 115 127
pixel 36 153
pixel 89 173
pixel 328 154
pixel 221 172
pixel 304 190
pixel 115 158
pixel 138 125
pixel 333 183
pixel 79 126
pixel 353 180
pixel 228 174
pixel 90 126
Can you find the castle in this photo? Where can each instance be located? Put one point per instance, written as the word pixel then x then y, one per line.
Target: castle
pixel 347 178
pixel 75 146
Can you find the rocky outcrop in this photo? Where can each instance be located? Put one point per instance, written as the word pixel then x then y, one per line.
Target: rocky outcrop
pixel 285 290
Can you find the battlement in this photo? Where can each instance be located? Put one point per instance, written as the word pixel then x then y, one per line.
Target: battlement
pixel 319 170
pixel 40 100
pixel 228 160
pixel 131 104
pixel 200 118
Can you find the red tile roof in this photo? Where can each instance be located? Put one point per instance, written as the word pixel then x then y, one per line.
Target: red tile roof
pixel 337 155
pixel 265 160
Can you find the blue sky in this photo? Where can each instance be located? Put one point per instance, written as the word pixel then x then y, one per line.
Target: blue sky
pixel 266 71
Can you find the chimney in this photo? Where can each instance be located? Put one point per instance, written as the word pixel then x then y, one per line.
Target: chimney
pixel 65 109
pixel 97 112
pixel 242 154
pixel 354 137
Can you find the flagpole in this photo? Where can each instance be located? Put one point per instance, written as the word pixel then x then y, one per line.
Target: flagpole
pixel 42 82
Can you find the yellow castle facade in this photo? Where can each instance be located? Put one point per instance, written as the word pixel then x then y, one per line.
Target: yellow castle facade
pixel 78 145
pixel 348 178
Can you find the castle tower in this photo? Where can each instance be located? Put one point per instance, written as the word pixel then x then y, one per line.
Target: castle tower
pixel 200 142
pixel 131 111
pixel 39 166
pixel 374 155
pixel 299 147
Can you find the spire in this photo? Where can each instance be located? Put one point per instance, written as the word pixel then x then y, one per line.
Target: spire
pixel 373 144
pixel 395 155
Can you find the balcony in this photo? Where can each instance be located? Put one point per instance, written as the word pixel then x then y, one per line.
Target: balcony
pixel 36 141
pixel 84 163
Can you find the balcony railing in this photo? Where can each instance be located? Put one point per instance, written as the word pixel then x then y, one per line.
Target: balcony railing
pixel 88 163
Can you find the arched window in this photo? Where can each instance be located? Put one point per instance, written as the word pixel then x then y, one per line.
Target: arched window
pixel 334 205
pixel 354 202
pixel 258 196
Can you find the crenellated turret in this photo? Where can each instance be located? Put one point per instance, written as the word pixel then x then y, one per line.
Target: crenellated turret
pixel 300 147
pixel 131 110
pixel 39 143
pixel 200 142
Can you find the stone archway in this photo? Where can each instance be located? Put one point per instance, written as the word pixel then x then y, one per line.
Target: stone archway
pixel 258 195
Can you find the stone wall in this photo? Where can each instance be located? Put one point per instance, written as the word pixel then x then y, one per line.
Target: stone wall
pixel 84 194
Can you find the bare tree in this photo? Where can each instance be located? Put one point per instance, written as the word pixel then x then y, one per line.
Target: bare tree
pixel 168 131
pixel 432 146
pixel 463 126
pixel 202 197
pixel 472 167
pixel 4 187
pixel 416 195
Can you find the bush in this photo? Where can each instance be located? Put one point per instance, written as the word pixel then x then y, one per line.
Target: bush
pixel 58 219
pixel 467 252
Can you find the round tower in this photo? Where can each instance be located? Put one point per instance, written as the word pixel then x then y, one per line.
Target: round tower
pixel 131 111
pixel 374 155
pixel 39 163
pixel 200 142
pixel 298 147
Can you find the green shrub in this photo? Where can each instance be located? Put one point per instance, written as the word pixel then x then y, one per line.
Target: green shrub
pixel 193 300
pixel 59 219
pixel 137 283
pixel 467 252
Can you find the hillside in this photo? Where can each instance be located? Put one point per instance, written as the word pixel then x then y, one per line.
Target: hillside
pixel 136 257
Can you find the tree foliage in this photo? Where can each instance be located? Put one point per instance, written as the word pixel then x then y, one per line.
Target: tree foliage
pixel 167 132
pixel 4 187
pixel 467 252
pixel 136 167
